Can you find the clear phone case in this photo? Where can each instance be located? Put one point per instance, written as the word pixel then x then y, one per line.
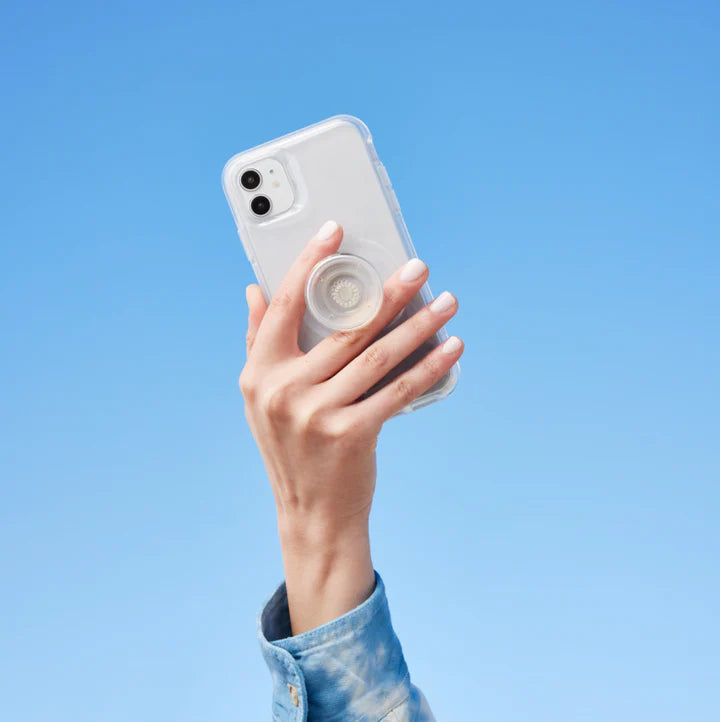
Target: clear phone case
pixel 329 170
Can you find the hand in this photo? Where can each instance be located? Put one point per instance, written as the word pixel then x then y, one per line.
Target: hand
pixel 317 440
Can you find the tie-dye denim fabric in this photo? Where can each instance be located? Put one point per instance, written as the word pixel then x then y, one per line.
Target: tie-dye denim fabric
pixel 349 670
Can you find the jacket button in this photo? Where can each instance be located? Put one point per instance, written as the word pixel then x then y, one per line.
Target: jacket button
pixel 294 694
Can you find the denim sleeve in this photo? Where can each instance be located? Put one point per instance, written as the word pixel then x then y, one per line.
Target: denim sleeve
pixel 349 669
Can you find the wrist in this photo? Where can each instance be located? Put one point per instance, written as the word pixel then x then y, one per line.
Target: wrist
pixel 328 567
pixel 321 534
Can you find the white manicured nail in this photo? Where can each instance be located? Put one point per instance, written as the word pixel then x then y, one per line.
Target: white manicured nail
pixel 443 302
pixel 326 230
pixel 412 270
pixel 451 345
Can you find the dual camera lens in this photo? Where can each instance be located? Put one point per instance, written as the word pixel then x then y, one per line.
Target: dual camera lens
pixel 250 180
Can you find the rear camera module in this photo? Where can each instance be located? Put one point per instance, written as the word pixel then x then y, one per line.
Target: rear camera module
pixel 260 205
pixel 250 180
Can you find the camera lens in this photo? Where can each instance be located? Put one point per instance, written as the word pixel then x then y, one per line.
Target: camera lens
pixel 260 205
pixel 250 180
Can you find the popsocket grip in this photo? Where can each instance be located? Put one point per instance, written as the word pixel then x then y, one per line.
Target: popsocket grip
pixel 343 292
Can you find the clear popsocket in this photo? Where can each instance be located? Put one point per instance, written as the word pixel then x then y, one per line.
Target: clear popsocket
pixel 343 292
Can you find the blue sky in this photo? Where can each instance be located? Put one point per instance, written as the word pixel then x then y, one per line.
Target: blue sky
pixel 548 535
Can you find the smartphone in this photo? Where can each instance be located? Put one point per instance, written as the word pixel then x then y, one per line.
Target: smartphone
pixel 281 192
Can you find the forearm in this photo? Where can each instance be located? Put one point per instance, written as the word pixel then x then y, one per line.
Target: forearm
pixel 326 632
pixel 328 569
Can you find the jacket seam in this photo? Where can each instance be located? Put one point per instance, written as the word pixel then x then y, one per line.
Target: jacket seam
pixel 388 712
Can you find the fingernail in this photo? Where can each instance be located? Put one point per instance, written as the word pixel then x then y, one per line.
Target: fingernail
pixel 326 230
pixel 452 345
pixel 443 302
pixel 412 270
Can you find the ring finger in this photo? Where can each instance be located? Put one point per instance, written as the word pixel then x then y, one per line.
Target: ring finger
pixel 387 352
pixel 396 396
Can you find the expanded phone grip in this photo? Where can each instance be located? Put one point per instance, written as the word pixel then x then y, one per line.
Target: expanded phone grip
pixel 343 292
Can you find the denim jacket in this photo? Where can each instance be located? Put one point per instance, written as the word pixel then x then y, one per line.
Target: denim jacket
pixel 349 670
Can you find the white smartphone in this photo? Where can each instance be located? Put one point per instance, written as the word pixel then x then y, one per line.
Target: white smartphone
pixel 281 192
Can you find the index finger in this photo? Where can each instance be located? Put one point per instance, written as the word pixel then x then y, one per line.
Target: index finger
pixel 278 332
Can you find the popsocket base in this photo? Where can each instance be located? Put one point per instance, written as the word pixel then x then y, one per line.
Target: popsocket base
pixel 343 292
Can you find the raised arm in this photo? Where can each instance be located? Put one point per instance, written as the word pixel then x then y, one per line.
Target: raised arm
pixel 326 633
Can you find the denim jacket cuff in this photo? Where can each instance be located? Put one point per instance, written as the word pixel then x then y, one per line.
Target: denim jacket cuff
pixel 350 668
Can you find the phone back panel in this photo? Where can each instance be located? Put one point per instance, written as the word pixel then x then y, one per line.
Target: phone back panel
pixel 335 174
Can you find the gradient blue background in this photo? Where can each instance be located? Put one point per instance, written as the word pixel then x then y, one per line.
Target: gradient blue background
pixel 548 535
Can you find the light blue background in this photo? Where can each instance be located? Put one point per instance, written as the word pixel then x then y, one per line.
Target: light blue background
pixel 548 535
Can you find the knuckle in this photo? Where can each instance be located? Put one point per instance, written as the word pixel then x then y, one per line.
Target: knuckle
pixel 336 428
pixel 376 357
pixel 345 339
pixel 247 383
pixel 418 324
pixel 432 366
pixel 276 402
pixel 391 295
pixel 310 420
pixel 319 423
pixel 282 299
pixel 405 391
pixel 309 255
pixel 365 428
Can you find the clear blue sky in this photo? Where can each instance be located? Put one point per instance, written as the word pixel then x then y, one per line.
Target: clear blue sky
pixel 548 535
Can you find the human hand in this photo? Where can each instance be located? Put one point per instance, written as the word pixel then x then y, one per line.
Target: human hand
pixel 316 439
